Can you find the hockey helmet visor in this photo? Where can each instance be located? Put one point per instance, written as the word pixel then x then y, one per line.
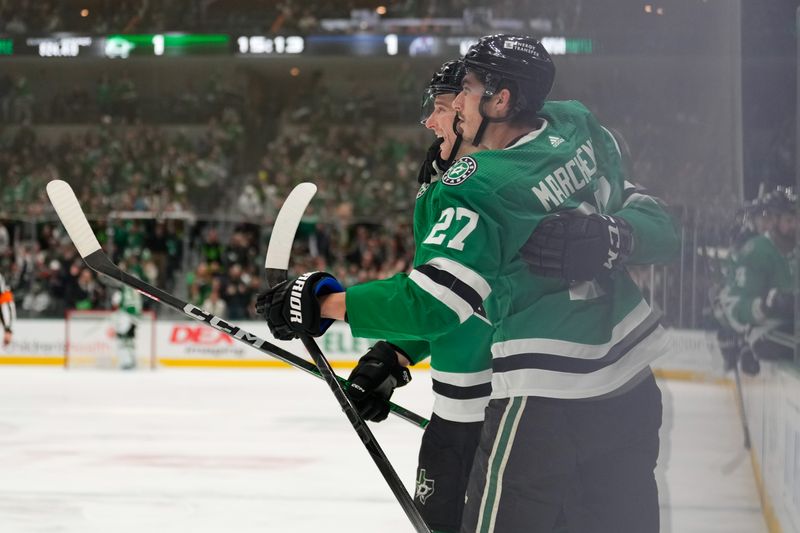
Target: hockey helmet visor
pixel 446 80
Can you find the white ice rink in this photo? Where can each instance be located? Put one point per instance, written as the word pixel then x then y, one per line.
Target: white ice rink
pixel 269 451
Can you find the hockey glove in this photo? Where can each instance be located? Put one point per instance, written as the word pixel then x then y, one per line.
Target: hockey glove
pixel 292 308
pixel 779 304
pixel 577 247
pixel 433 165
pixel 374 379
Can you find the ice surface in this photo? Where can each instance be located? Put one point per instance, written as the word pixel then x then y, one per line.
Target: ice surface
pixel 194 450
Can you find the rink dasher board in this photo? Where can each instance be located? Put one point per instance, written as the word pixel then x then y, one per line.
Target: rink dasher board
pixel 188 343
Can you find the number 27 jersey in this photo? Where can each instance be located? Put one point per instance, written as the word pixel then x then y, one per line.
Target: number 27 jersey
pixel 550 338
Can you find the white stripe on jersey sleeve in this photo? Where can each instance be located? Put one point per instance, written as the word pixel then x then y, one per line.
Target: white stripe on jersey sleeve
pixel 471 410
pixel 577 350
pixel 638 197
pixel 554 384
pixel 466 275
pixel 630 194
pixel 456 304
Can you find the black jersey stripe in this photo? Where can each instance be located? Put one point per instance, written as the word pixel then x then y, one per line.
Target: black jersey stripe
pixel 455 392
pixel 572 365
pixel 455 285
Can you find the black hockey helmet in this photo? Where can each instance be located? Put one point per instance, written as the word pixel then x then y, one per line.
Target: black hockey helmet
pixel 446 80
pixel 512 58
pixel 521 63
pixel 744 226
pixel 780 201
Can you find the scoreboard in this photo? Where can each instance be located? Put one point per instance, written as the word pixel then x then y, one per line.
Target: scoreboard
pixel 123 46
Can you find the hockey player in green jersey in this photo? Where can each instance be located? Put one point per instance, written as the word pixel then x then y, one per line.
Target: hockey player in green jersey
pixel 760 294
pixel 461 360
pixel 751 220
pixel 574 416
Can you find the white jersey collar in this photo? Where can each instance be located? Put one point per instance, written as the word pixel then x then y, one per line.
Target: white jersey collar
pixel 529 137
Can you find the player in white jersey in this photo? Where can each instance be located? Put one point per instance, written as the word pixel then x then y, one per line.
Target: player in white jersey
pixel 127 303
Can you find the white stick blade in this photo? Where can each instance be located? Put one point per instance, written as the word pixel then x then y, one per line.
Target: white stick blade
pixel 286 223
pixel 69 211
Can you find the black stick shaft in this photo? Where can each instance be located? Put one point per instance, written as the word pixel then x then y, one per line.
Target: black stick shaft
pixel 101 263
pixel 277 275
pixel 366 436
pixel 740 403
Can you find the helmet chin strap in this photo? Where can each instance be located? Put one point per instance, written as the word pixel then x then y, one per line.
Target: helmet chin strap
pixel 487 119
pixel 456 144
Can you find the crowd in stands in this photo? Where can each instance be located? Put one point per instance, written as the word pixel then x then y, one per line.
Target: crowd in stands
pixel 114 99
pixel 223 274
pixel 137 168
pixel 358 225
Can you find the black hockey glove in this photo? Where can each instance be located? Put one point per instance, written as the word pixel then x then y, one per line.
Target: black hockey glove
pixel 779 304
pixel 374 379
pixel 292 308
pixel 577 247
pixel 433 165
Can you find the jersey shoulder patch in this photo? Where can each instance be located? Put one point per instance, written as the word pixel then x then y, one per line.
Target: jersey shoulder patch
pixel 460 171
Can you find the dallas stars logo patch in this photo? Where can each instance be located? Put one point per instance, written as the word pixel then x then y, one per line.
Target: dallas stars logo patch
pixel 460 171
pixel 424 487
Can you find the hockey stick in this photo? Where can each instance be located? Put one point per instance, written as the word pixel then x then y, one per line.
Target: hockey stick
pixel 276 266
pixel 69 211
pixel 740 402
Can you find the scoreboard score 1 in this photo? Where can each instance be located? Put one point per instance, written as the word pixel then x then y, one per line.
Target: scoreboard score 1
pixel 123 46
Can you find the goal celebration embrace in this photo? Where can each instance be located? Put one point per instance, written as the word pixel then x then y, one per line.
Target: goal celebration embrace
pixel 528 235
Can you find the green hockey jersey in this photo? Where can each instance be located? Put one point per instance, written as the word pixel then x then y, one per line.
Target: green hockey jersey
pixel 461 360
pixel 461 369
pixel 760 267
pixel 550 338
